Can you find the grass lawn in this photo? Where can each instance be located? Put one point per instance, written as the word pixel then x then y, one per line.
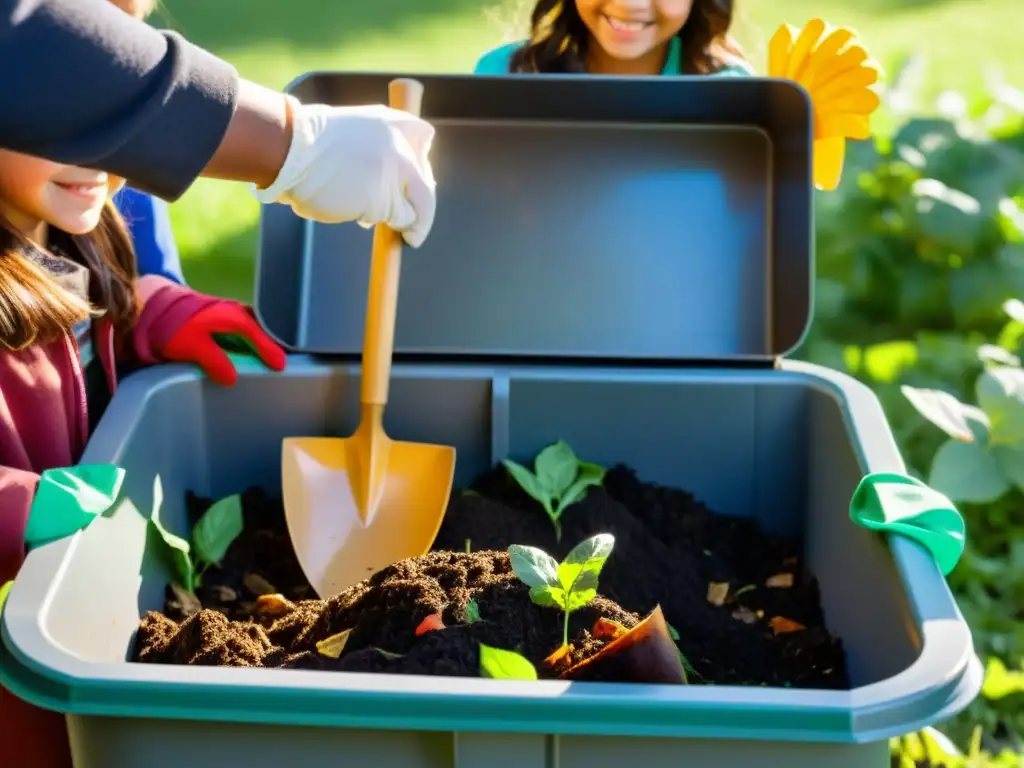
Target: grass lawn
pixel 272 41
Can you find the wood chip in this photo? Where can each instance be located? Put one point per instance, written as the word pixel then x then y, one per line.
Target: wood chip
pixel 606 629
pixel 258 585
pixel 718 592
pixel 560 653
pixel 272 606
pixel 333 645
pixel 780 581
pixel 781 625
pixel 745 615
pixel 188 603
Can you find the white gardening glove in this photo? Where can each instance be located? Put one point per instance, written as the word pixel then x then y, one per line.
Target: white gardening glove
pixel 366 164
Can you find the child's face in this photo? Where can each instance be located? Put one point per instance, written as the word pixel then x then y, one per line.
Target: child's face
pixel 34 192
pixel 630 29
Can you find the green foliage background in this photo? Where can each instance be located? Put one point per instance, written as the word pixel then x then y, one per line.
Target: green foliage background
pixel 920 276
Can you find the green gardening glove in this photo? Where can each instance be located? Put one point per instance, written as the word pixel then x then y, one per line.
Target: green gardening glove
pixel 70 498
pixel 887 501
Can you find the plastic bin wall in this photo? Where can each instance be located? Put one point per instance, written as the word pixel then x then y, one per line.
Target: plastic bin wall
pixel 786 446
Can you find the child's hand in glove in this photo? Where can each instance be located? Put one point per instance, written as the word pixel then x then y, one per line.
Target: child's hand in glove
pixel 837 72
pixel 196 341
pixel 367 164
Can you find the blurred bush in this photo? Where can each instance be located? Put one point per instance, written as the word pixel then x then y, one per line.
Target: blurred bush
pixel 920 281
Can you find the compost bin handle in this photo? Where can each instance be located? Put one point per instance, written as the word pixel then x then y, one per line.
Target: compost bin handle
pixel 405 94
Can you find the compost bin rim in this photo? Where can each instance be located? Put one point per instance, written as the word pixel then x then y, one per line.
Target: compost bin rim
pixel 502 706
pixel 862 714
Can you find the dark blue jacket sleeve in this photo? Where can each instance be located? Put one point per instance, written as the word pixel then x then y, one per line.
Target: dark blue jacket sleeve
pixel 149 221
pixel 84 83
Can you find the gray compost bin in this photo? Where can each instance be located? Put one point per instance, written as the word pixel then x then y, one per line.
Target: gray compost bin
pixel 619 264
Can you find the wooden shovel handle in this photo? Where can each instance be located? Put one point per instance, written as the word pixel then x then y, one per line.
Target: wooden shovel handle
pixel 385 266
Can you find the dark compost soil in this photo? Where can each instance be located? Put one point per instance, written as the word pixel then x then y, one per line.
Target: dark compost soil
pixel 668 548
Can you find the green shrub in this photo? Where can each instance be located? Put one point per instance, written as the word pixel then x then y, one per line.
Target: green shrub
pixel 920 277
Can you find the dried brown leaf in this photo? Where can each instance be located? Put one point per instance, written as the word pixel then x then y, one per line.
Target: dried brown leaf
pixel 718 591
pixel 333 645
pixel 780 581
pixel 781 625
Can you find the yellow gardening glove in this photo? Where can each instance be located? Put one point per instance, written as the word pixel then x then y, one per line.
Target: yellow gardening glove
pixel 837 72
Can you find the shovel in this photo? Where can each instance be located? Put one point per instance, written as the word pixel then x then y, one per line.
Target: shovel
pixel 356 505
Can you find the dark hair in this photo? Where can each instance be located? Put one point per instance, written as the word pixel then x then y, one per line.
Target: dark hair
pixel 559 38
pixel 33 307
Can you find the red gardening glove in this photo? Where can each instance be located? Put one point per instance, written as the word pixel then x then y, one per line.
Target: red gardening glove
pixel 195 341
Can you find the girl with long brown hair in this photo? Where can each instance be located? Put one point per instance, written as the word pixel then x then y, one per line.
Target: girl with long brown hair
pixel 66 259
pixel 623 37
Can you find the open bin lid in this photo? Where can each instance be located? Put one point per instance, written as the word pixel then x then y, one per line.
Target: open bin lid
pixel 647 219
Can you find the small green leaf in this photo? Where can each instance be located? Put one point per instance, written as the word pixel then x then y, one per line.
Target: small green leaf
pixel 556 468
pixel 687 666
pixel 499 664
pixel 219 526
pixel 579 598
pixel 966 472
pixel 944 411
pixel 584 562
pixel 589 474
pixel 178 554
pixel 176 550
pixel 528 482
pixel 472 612
pixel 1000 392
pixel 534 567
pixel 548 597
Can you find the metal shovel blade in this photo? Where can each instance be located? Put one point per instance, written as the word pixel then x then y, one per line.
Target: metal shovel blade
pixel 338 545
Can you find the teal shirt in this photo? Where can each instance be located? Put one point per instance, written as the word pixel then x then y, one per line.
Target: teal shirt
pixel 495 62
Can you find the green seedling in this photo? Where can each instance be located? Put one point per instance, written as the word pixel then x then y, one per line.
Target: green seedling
pixel 674 634
pixel 472 612
pixel 219 526
pixel 569 585
pixel 559 480
pixel 505 665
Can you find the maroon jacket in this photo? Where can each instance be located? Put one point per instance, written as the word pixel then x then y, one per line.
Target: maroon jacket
pixel 44 425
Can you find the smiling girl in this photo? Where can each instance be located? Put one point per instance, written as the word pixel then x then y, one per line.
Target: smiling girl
pixel 623 37
pixel 65 258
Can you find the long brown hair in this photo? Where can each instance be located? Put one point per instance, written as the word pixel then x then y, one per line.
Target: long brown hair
pixel 559 39
pixel 34 308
